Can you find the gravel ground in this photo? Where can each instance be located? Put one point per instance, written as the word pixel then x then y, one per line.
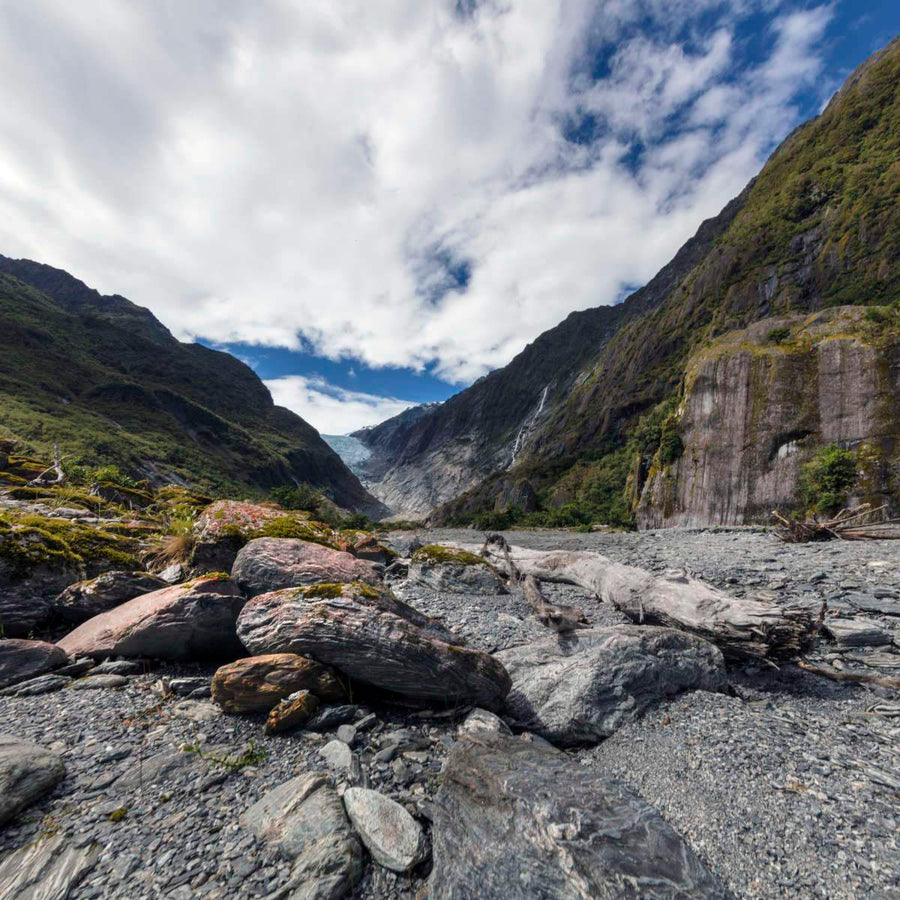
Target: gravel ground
pixel 788 788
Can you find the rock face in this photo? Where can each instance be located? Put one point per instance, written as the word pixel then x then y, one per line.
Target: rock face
pixel 757 409
pixel 270 564
pixel 389 832
pixel 85 599
pixel 21 660
pixel 258 683
pixel 580 687
pixel 303 819
pixel 515 821
pixel 454 571
pixel 27 772
pixel 195 620
pixel 372 637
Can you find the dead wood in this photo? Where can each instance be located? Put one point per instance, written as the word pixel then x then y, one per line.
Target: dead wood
pixel 851 677
pixel 839 527
pixel 738 626
pixel 56 467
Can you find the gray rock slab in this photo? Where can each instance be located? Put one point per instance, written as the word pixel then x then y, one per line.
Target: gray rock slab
pixel 390 833
pixel 21 660
pixel 516 821
pixel 27 772
pixel 46 870
pixel 304 820
pixel 580 687
pixel 856 633
pixel 94 682
pixel 43 684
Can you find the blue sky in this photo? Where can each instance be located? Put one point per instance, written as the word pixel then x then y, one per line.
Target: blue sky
pixel 375 204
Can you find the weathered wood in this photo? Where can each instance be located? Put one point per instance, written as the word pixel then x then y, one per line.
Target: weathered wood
pixel 740 627
pixel 556 616
pixel 850 677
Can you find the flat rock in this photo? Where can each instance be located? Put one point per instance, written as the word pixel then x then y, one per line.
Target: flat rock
pixel 304 820
pixel 292 712
pixel 193 687
pixel 21 660
pixel 85 599
pixel 856 633
pixel 27 772
pixel 515 821
pixel 43 684
pixel 371 636
pixel 390 833
pixel 118 667
pixel 332 717
pixel 92 682
pixel 883 606
pixel 196 711
pixel 258 683
pixel 46 869
pixel 580 687
pixel 481 720
pixel 271 564
pixel 195 620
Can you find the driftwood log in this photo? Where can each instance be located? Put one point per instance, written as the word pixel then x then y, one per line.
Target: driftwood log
pixel 56 467
pixel 738 626
pixel 556 616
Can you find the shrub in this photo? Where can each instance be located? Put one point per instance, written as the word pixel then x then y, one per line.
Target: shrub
pixel 778 335
pixel 670 447
pixel 302 496
pixel 827 478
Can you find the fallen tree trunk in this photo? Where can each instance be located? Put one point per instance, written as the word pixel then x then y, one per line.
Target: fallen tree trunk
pixel 740 627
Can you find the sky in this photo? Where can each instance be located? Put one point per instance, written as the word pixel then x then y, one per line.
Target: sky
pixel 374 204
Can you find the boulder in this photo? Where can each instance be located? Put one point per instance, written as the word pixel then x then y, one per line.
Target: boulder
pixel 270 564
pixel 195 620
pixel 47 869
pixel 292 712
pixel 369 635
pixel 303 819
pixel 85 599
pixel 27 772
pixel 454 571
pixel 258 683
pixel 21 660
pixel 581 686
pixel 43 684
pixel 515 820
pixel 390 833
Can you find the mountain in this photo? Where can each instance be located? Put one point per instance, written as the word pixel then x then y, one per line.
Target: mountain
pixel 109 383
pixel 583 410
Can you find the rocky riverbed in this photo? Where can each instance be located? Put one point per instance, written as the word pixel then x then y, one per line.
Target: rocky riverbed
pixel 781 784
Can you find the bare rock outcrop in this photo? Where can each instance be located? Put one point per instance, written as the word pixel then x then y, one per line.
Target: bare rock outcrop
pixel 85 599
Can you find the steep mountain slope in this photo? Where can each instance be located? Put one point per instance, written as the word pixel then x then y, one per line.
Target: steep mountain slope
pixel 108 382
pixel 819 227
pixel 428 455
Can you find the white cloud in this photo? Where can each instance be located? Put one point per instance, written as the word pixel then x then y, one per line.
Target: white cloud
pixel 330 409
pixel 267 171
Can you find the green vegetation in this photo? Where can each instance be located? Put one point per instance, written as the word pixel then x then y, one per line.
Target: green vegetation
pixel 778 335
pixel 433 553
pixel 826 479
pixel 301 496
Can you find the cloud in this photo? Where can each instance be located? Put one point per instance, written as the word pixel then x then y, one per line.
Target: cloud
pixel 330 409
pixel 404 183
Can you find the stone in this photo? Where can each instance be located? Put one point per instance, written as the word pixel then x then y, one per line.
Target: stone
pixel 118 667
pixel 92 682
pixel 46 869
pixel 372 637
pixel 272 564
pixel 481 720
pixel 390 833
pixel 453 571
pixel 158 770
pixel 856 633
pixel 193 687
pixel 258 683
pixel 880 605
pixel 332 717
pixel 337 754
pixel 515 820
pixel 21 660
pixel 347 734
pixel 43 684
pixel 77 667
pixel 303 819
pixel 580 687
pixel 292 712
pixel 196 711
pixel 85 599
pixel 27 772
pixel 195 620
